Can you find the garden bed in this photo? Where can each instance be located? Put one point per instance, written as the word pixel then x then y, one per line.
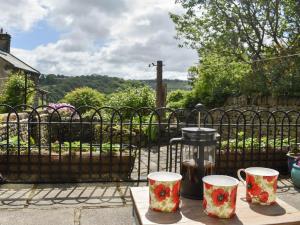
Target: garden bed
pixel 244 152
pixel 63 166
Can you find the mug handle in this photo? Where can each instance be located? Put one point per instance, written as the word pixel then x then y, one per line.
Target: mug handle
pixel 240 177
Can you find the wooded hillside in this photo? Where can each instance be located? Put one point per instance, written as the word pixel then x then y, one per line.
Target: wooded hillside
pixel 59 85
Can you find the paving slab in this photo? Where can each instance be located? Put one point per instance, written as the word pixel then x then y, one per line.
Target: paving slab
pixel 76 195
pixel 83 203
pixel 36 217
pixel 125 190
pixel 106 216
pixel 289 193
pixel 14 195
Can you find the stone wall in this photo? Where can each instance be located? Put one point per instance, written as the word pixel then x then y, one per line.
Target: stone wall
pixel 264 102
pixel 46 133
pixel 12 126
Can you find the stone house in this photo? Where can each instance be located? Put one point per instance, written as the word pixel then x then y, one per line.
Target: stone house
pixel 10 63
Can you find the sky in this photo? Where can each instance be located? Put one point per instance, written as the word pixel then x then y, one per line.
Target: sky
pixel 113 37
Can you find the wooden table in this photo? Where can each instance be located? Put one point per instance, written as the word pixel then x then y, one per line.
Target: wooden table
pixel 191 212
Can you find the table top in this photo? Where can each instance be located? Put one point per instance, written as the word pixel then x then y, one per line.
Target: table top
pixel 191 212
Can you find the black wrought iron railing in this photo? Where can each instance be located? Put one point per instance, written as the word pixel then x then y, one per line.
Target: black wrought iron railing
pixel 47 144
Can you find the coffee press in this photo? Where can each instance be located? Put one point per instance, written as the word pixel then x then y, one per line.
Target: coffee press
pixel 197 158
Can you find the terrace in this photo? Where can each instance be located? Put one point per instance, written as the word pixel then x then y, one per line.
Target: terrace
pixel 109 151
pixel 83 203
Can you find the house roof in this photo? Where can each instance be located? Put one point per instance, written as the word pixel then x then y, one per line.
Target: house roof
pixel 17 63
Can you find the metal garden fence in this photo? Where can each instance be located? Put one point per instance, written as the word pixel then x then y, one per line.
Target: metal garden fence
pixel 64 144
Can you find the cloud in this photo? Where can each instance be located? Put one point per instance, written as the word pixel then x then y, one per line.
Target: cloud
pixel 22 14
pixel 113 37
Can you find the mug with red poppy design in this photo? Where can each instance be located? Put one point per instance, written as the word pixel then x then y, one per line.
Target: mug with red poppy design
pixel 219 195
pixel 261 184
pixel 164 191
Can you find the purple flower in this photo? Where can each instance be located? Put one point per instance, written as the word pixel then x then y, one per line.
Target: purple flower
pixel 64 109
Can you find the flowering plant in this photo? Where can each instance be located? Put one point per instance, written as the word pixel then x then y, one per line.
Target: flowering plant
pixel 64 109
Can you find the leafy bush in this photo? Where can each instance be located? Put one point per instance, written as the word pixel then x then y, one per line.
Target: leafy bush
pixel 86 147
pixel 176 99
pixel 55 147
pixel 84 96
pixel 132 97
pixel 13 92
pixel 254 143
pixel 13 145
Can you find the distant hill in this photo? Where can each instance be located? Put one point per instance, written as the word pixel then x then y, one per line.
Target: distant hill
pixel 59 85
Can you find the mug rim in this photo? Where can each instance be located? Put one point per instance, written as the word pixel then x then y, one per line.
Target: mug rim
pixel 274 172
pixel 165 176
pixel 234 181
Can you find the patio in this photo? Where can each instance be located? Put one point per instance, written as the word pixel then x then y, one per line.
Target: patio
pixel 85 203
pixel 255 140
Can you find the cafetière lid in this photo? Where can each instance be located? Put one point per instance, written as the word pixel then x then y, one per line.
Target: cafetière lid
pixel 198 130
pixel 199 134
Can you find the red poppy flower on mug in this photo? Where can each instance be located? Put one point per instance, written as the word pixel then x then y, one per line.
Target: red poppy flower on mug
pixel 252 187
pixel 233 197
pixel 161 192
pixel 263 197
pixel 219 196
pixel 269 178
pixel 175 192
pixel 207 186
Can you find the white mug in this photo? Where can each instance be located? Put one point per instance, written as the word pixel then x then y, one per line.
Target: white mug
pixel 219 195
pixel 261 184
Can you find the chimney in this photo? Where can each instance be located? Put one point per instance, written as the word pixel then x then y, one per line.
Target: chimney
pixel 4 41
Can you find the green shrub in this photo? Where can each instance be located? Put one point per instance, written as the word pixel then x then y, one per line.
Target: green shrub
pixel 84 96
pixel 85 147
pixel 133 97
pixel 255 143
pixel 13 145
pixel 13 91
pixel 176 99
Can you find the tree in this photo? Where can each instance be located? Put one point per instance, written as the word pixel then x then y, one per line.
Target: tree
pixel 14 89
pixel 241 35
pixel 247 29
pixel 216 83
pixel 84 96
